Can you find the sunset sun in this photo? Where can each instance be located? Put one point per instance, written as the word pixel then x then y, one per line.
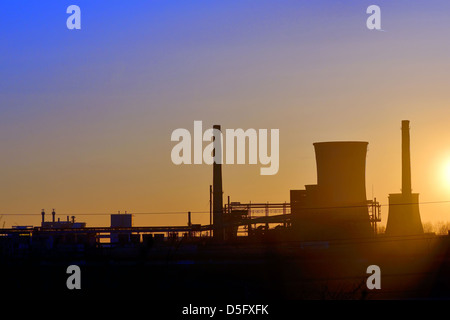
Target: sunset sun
pixel 445 174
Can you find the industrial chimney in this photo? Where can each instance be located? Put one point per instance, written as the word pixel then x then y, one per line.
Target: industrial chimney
pixel 406 159
pixel 404 215
pixel 218 232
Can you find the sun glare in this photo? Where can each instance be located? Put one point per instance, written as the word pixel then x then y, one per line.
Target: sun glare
pixel 446 174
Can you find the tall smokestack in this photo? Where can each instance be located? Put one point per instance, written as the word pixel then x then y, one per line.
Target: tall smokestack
pixel 53 215
pixel 406 159
pixel 217 184
pixel 404 215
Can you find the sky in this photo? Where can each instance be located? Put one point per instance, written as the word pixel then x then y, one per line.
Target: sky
pixel 86 115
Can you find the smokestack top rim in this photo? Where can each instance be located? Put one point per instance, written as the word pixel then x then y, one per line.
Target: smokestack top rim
pixel 341 142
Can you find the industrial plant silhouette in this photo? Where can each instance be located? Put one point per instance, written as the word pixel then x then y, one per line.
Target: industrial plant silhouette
pixel 318 246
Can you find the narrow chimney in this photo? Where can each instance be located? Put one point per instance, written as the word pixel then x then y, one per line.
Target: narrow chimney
pixel 217 184
pixel 404 214
pixel 53 215
pixel 43 215
pixel 406 159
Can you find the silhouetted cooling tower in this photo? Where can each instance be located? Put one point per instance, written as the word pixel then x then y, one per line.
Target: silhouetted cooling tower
pixel 336 207
pixel 341 169
pixel 218 232
pixel 404 215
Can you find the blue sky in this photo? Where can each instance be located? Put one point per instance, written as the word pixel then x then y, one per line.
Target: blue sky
pixel 86 115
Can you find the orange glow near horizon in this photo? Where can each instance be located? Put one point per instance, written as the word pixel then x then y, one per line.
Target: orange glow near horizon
pixel 445 174
pixel 94 136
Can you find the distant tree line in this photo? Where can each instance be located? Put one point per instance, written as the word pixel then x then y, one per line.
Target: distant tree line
pixel 439 227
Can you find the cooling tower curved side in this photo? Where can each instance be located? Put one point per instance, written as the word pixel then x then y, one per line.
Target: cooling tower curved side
pixel 341 172
pixel 404 215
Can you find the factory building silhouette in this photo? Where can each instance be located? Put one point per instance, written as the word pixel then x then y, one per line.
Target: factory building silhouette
pixel 335 208
pixel 327 228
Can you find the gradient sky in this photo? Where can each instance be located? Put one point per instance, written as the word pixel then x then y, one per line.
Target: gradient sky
pixel 86 115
